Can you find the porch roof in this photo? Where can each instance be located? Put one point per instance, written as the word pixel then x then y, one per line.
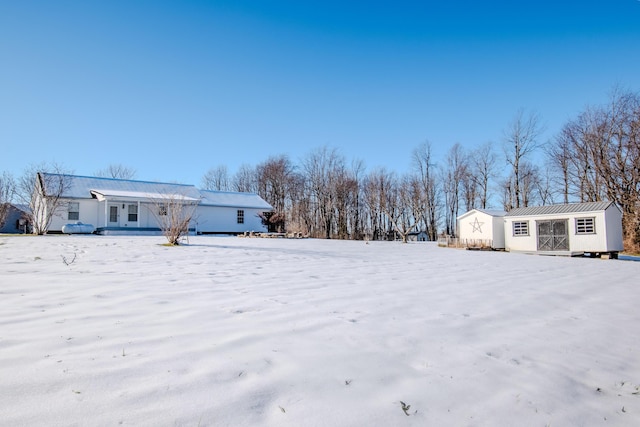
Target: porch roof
pixel 124 195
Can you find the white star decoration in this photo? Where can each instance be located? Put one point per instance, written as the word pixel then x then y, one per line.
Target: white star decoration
pixel 477 225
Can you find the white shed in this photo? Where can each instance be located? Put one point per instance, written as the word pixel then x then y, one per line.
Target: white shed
pixel 569 229
pixel 481 228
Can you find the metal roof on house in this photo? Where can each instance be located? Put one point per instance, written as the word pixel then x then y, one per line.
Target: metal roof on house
pixel 232 199
pixel 560 209
pixel 81 187
pixel 84 187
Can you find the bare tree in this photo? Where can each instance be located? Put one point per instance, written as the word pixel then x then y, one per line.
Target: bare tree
pixel 559 156
pixel 470 188
pixel 452 176
pixel 544 189
pixel 506 192
pixel 587 132
pixel 520 141
pixel 42 188
pixel 356 207
pixel 482 163
pixel 301 215
pixel 216 179
pixel 7 192
pixel 244 180
pixel 425 168
pixel 403 205
pixel 117 171
pixel 320 168
pixel 530 183
pixel 345 191
pixel 377 185
pixel 174 214
pixel 274 178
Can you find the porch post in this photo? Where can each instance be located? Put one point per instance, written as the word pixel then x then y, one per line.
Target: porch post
pixel 139 214
pixel 106 213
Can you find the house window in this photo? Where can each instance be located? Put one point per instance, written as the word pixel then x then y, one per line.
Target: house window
pixel 521 228
pixel 240 216
pixel 162 209
pixel 585 226
pixel 74 211
pixel 133 213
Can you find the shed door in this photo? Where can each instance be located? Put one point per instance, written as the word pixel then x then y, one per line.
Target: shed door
pixel 553 235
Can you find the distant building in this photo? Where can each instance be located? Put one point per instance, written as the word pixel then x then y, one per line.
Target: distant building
pixel 17 221
pixel 418 236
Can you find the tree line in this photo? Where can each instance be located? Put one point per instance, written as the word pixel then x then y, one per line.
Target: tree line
pixel 595 156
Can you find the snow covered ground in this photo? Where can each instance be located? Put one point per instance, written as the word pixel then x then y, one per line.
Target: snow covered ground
pixel 106 331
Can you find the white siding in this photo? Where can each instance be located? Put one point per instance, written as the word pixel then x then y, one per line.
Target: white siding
pixel 88 214
pixel 207 219
pixel 613 217
pixel 218 219
pixel 596 242
pixel 520 243
pixel 498 232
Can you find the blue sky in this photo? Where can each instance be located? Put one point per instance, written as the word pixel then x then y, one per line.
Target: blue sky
pixel 172 89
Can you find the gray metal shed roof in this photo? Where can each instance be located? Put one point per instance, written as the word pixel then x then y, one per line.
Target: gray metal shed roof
pixel 560 209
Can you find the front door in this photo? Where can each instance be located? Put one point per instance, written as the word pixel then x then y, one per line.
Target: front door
pixel 553 235
pixel 123 215
pixel 114 216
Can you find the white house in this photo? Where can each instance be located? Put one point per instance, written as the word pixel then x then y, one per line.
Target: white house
pixel 571 229
pixel 120 206
pixel 481 228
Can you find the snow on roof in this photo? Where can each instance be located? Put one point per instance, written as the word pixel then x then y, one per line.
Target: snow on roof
pixel 493 212
pixel 489 212
pixel 233 199
pixel 560 209
pixel 81 187
pixel 138 195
